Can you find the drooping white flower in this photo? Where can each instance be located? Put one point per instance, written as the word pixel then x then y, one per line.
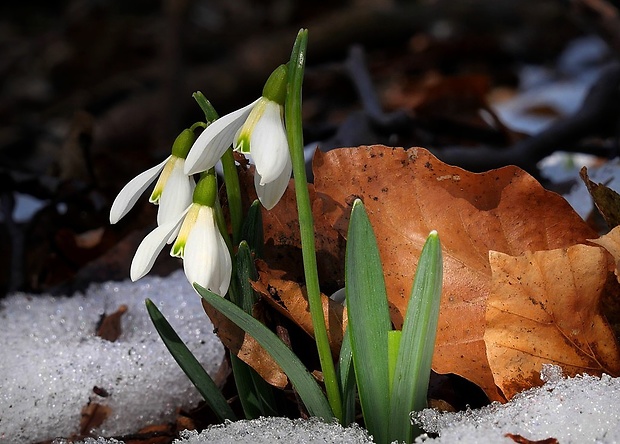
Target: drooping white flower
pixel 172 192
pixel 206 258
pixel 263 136
pixel 211 144
pixel 257 130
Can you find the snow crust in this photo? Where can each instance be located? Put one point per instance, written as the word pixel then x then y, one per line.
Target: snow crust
pixel 52 359
pixel 583 409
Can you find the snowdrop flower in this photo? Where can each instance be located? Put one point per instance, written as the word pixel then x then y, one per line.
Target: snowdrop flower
pixel 206 258
pixel 173 190
pixel 258 130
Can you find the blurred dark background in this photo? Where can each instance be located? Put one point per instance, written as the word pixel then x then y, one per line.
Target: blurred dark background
pixel 92 92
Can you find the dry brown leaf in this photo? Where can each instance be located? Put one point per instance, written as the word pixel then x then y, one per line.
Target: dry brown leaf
pixel 522 440
pixel 611 243
pixel 246 348
pixel 610 303
pixel 606 200
pixel 544 308
pixel 110 326
pixel 290 299
pixel 408 193
pixel 93 415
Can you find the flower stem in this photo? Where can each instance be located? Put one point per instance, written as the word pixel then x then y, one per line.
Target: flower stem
pixel 306 223
pixel 233 192
pixel 231 178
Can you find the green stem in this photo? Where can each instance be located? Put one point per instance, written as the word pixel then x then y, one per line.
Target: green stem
pixel 231 178
pixel 306 223
pixel 233 192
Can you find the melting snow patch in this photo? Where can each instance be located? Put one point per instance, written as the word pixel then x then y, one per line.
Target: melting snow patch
pixel 52 360
pixel 576 410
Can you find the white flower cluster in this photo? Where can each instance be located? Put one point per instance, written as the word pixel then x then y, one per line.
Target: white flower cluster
pixel 186 214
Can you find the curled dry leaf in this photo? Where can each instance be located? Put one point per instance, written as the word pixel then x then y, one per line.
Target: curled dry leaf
pixel 110 327
pixel 245 347
pixel 543 307
pixel 607 201
pixel 290 299
pixel 408 193
pixel 610 303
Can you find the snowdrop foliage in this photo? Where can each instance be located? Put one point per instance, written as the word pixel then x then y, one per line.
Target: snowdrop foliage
pixel 173 190
pixel 257 130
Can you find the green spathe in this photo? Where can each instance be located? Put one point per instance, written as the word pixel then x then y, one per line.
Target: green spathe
pixel 206 189
pixel 183 143
pixel 275 86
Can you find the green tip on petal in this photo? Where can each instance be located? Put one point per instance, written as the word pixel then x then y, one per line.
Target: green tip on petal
pixel 183 143
pixel 206 189
pixel 275 87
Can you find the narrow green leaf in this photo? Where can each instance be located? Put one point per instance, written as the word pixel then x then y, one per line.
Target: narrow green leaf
pixel 255 394
pixel 190 365
pixel 393 347
pixel 307 387
pixel 413 367
pixel 252 230
pixel 246 271
pixel 346 376
pixel 369 321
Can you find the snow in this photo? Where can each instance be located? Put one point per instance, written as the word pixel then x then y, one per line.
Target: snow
pixel 52 360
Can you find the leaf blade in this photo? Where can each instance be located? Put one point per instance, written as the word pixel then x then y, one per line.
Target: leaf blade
pixel 190 365
pixel 369 321
pixel 306 386
pixel 413 364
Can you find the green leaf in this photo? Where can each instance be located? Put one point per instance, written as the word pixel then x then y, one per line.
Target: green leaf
pixel 256 395
pixel 306 386
pixel 369 321
pixel 413 366
pixel 252 230
pixel 190 365
pixel 346 376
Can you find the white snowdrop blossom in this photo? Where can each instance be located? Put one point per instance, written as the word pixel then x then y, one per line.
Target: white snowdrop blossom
pixel 172 192
pixel 258 130
pixel 206 258
pixel 263 136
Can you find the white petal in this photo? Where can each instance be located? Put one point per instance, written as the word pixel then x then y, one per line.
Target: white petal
pixel 214 140
pixel 130 193
pixel 268 144
pixel 270 193
pixel 176 196
pixel 150 247
pixel 207 260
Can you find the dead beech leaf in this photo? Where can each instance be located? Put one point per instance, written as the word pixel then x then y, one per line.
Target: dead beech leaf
pixel 611 243
pixel 544 308
pixel 246 348
pixel 522 440
pixel 607 201
pixel 93 415
pixel 610 302
pixel 283 243
pixel 290 299
pixel 110 326
pixel 408 193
